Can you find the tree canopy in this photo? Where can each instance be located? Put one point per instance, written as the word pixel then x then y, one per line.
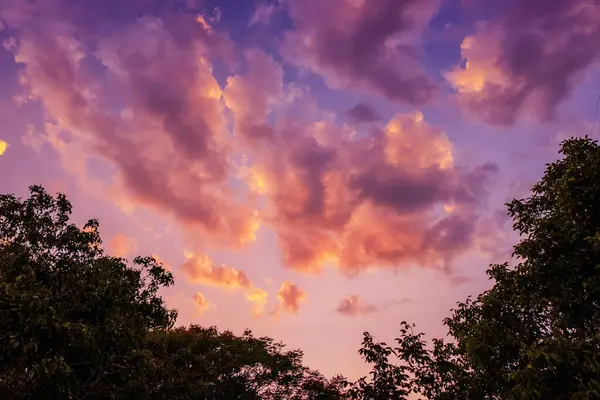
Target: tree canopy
pixel 77 323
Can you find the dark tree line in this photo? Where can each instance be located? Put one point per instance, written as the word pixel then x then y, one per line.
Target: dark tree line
pixel 76 323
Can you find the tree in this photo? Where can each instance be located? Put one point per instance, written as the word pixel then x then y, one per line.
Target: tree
pixel 536 333
pixel 76 323
pixel 73 320
pixel 197 362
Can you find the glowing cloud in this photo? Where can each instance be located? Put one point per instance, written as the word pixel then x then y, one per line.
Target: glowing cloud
pixel 202 21
pixel 200 303
pixel 201 269
pixel 258 297
pixel 325 186
pixel 333 193
pixel 3 147
pixel 481 67
pixel 527 61
pixel 290 297
pixel 169 146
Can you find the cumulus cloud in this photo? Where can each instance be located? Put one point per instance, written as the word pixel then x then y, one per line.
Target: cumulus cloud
pixel 122 245
pixel 365 45
pixel 200 269
pixel 354 305
pixel 168 143
pixel 200 303
pixel 258 298
pixel 290 297
pixel 392 197
pixel 138 92
pixel 527 61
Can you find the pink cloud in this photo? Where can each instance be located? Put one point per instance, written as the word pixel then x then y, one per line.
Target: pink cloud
pixel 252 96
pixel 354 305
pixel 326 186
pixel 290 297
pixel 200 269
pixel 169 144
pixel 200 303
pixel 365 45
pixel 157 115
pixel 528 61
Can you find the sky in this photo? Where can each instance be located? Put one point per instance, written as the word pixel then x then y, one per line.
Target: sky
pixel 308 169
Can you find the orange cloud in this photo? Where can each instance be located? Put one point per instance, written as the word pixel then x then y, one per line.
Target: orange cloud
pixel 202 21
pixel 412 142
pixel 334 197
pixel 258 297
pixel 3 147
pixel 122 245
pixel 200 303
pixel 481 66
pixel 201 269
pixel 290 297
pixel 354 305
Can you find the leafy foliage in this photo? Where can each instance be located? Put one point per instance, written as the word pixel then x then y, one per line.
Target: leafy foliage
pixel 197 362
pixel 73 320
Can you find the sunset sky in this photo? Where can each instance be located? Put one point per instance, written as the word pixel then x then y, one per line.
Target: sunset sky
pixel 308 169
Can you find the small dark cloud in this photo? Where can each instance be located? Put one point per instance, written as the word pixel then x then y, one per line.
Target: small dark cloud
pixel 362 113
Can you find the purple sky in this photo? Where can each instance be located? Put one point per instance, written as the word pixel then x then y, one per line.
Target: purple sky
pixel 309 169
